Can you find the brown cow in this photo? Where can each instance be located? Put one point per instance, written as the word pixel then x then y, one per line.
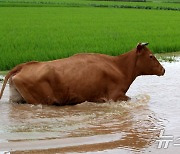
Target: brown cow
pixel 82 77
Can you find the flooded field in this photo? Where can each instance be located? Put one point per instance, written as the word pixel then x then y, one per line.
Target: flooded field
pixel 112 127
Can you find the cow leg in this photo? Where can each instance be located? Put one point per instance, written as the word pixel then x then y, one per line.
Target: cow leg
pixel 116 96
pixel 43 94
pixel 23 91
pixel 121 98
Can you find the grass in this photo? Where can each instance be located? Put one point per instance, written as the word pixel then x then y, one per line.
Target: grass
pixel 139 5
pixel 52 32
pixel 91 3
pixel 165 1
pixel 168 57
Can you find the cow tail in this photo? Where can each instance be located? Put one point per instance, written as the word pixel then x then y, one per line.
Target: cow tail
pixel 10 73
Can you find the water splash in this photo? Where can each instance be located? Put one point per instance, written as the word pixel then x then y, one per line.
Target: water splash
pixel 137 120
pixel 1 78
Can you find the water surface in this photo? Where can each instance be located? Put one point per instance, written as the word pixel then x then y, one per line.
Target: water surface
pixel 111 127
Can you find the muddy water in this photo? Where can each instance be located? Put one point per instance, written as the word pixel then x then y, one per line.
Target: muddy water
pixel 121 127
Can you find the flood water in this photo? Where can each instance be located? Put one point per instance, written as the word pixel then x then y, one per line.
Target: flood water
pixel 111 127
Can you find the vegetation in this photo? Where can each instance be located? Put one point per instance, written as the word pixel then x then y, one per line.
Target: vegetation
pixel 46 33
pixel 168 57
pixel 91 3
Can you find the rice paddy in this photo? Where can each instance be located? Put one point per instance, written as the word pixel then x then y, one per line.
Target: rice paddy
pixel 51 32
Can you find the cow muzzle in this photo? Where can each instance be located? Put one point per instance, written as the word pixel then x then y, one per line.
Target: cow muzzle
pixel 162 72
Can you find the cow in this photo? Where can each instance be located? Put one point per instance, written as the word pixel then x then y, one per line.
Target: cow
pixel 82 77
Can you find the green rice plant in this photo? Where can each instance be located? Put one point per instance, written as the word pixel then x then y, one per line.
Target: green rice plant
pixel 48 33
pixel 91 3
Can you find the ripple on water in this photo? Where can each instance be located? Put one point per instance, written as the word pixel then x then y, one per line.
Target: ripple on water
pixel 132 119
pixel 137 121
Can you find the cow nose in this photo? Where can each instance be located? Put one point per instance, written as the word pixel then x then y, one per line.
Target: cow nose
pixel 163 71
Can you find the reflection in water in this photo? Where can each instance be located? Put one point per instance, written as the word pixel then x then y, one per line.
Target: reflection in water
pixel 123 126
pixel 133 120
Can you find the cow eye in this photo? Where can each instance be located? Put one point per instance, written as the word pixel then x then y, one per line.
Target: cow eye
pixel 151 56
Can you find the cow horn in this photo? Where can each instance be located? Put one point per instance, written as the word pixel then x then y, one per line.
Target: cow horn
pixel 144 44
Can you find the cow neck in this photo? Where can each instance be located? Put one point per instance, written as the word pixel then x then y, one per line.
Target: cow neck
pixel 127 64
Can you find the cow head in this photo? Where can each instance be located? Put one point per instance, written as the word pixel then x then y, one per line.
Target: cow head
pixel 146 63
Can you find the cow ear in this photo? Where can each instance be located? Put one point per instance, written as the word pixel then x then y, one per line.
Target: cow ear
pixel 139 48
